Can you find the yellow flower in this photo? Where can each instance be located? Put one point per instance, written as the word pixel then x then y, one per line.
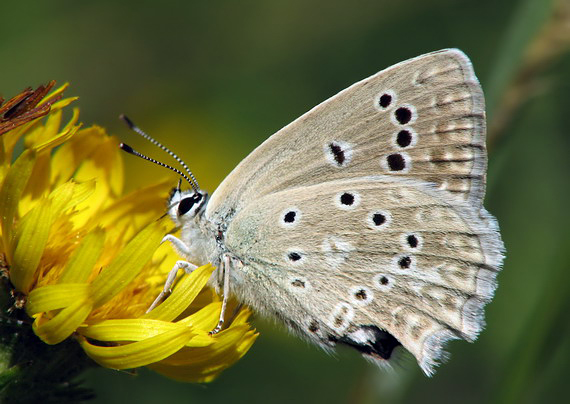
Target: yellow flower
pixel 86 260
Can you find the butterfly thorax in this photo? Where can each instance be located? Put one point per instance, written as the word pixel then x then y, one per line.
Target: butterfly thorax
pixel 199 245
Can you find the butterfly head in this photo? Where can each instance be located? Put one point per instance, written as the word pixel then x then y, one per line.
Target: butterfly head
pixel 184 206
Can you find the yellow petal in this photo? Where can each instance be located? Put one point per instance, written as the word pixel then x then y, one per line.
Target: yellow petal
pixel 81 262
pixel 182 295
pixel 200 340
pixel 242 317
pixel 206 318
pixel 68 157
pixel 54 93
pixel 80 193
pixel 61 137
pixel 115 169
pixel 66 133
pixel 31 239
pixel 102 193
pixel 140 206
pixel 227 344
pixel 64 197
pixel 33 233
pixel 85 145
pixel 204 364
pixel 127 329
pixel 135 330
pixel 61 196
pixel 139 353
pixel 53 297
pixel 9 141
pixel 39 134
pixel 38 184
pixel 127 265
pixel 10 194
pixel 63 103
pixel 64 323
pixel 4 161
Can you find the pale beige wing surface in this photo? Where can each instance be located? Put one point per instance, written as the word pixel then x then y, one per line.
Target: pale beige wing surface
pixel 375 251
pixel 421 119
pixel 362 221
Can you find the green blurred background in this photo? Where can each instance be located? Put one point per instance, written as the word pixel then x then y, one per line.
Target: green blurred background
pixel 213 79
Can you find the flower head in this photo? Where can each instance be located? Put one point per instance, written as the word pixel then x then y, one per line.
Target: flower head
pixel 86 260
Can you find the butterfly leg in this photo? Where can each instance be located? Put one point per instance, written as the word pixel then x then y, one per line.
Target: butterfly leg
pixel 226 296
pixel 178 244
pixel 166 290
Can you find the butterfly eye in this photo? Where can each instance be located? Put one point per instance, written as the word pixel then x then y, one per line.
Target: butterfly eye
pixel 186 204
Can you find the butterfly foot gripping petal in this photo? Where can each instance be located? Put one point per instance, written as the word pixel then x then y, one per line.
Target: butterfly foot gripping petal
pixel 167 289
pixel 226 271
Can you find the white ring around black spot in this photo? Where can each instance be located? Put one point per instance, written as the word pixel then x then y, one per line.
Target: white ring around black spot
pixel 341 317
pixel 404 263
pixel 405 107
pixel 381 98
pixel 338 153
pixel 298 284
pixel 295 256
pixel 361 295
pixel 398 162
pixel 383 282
pixel 412 241
pixel 347 200
pixel 404 138
pixel 289 217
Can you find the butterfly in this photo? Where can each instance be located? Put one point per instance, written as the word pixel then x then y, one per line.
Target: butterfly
pixel 361 223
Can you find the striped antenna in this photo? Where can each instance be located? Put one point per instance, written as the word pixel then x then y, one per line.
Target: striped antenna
pixel 139 131
pixel 130 150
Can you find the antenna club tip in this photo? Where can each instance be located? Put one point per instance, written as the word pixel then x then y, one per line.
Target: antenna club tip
pixel 126 119
pixel 126 147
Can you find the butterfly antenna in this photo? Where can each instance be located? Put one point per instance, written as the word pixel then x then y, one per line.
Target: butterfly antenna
pixel 132 151
pixel 139 131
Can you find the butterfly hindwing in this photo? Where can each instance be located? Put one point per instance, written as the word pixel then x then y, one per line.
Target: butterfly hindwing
pixel 380 252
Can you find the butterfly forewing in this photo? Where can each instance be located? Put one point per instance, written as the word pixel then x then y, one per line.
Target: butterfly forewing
pixel 422 119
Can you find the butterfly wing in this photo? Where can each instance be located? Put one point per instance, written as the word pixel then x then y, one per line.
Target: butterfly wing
pixel 422 119
pixel 371 262
pixel 409 141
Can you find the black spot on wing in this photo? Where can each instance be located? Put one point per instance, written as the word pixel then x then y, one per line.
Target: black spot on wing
pixel 338 153
pixel 289 217
pixel 403 115
pixel 404 138
pixel 385 100
pixel 396 162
